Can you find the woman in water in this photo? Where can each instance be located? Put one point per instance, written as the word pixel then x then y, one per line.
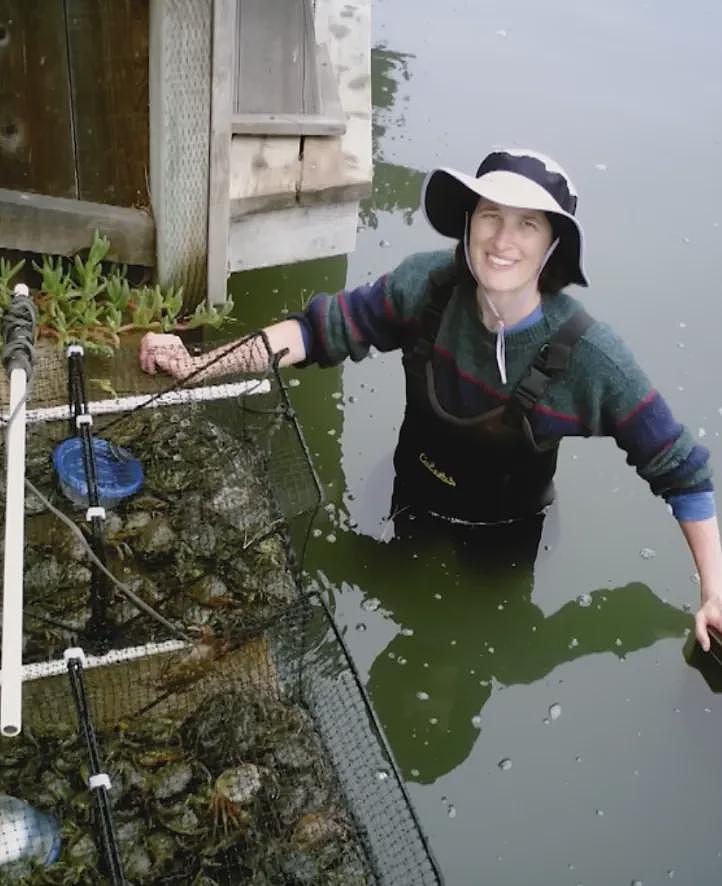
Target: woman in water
pixel 500 364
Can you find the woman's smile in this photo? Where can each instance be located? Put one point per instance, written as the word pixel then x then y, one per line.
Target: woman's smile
pixel 507 245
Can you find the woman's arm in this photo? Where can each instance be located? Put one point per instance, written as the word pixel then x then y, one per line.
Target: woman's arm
pixel 703 539
pixel 168 353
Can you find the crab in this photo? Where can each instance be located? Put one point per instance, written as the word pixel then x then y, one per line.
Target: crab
pixel 233 789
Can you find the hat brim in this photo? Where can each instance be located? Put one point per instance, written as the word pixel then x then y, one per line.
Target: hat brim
pixel 448 195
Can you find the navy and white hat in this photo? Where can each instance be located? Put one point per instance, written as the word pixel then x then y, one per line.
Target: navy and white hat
pixel 511 177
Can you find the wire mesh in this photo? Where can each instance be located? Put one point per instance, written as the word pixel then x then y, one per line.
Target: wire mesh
pixel 227 715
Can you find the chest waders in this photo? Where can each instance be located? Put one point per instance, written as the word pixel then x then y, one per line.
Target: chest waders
pixel 485 468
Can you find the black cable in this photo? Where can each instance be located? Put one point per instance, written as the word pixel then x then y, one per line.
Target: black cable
pixel 108 847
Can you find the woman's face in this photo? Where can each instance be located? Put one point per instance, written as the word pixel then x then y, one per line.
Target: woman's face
pixel 507 245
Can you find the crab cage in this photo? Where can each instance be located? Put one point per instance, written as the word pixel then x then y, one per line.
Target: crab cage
pixel 189 714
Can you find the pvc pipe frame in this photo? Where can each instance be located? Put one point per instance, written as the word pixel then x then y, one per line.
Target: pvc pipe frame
pixel 12 623
pixel 11 675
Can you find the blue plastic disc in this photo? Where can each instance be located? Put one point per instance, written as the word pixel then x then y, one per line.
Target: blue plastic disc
pixel 119 473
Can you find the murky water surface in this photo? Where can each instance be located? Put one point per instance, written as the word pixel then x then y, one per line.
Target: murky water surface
pixel 547 722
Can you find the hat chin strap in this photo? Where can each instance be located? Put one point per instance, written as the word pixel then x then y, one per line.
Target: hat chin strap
pixel 500 326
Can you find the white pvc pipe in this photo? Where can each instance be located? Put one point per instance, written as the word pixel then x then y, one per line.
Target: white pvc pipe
pixel 12 625
pixel 169 398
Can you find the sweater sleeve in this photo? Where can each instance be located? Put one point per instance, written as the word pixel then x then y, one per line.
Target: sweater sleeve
pixel 628 408
pixel 347 324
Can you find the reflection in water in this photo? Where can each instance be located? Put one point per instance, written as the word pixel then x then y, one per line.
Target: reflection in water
pixel 395 188
pixel 470 625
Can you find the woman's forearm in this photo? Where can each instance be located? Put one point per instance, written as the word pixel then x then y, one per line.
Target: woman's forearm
pixel 252 356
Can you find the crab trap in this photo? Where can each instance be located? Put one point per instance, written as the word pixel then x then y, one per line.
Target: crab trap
pixel 189 715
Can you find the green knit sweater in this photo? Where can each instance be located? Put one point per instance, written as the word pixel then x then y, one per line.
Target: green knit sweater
pixel 602 393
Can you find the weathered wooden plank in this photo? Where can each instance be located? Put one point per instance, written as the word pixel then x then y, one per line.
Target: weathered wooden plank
pixel 286 124
pixel 108 56
pixel 222 49
pixel 36 142
pixel 264 174
pixel 275 69
pixel 342 168
pixel 291 235
pixel 61 226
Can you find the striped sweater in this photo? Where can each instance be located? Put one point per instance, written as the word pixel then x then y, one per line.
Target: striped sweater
pixel 603 392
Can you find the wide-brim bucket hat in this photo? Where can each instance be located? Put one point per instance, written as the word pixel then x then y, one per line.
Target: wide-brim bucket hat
pixel 511 177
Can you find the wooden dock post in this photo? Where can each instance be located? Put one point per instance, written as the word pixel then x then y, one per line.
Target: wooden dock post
pixel 179 91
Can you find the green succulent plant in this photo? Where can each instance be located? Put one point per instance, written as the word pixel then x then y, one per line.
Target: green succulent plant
pixel 83 301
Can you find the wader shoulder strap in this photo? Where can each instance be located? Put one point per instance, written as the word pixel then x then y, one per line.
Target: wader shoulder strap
pixel 550 362
pixel 441 286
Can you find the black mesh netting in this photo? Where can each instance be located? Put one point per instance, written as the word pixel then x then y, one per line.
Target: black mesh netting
pixel 188 714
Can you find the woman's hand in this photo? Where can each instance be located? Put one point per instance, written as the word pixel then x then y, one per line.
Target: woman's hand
pixel 708 616
pixel 165 352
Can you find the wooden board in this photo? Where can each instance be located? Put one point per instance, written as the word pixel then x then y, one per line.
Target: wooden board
pixel 279 88
pixel 36 140
pixel 264 174
pixel 220 150
pixel 342 168
pixel 275 69
pixel 36 223
pixel 292 235
pixel 108 58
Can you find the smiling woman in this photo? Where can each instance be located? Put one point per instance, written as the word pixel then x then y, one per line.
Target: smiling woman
pixel 500 364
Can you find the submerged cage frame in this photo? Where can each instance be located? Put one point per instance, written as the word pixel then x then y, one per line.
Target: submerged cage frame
pixel 373 790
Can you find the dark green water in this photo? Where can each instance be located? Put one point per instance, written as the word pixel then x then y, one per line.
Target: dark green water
pixel 573 670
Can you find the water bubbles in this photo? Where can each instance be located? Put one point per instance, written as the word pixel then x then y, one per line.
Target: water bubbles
pixel 401 661
pixel 573 643
pixel 361 626
pixel 436 596
pixel 505 764
pixel 434 721
pixel 578 758
pixel 701 433
pixel 407 632
pixel 336 395
pixel 476 721
pixel 584 600
pixel 670 874
pixel 331 432
pixel 502 32
pixel 600 167
pixel 371 604
pixel 555 711
pixel 294 382
pixel 599 813
pixel 450 808
pixel 382 774
pixel 636 883
pixel 317 533
pixel 647 554
pixel 331 538
pixel 490 650
pixel 618 641
pixel 415 773
pixel 422 696
pixel 384 244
